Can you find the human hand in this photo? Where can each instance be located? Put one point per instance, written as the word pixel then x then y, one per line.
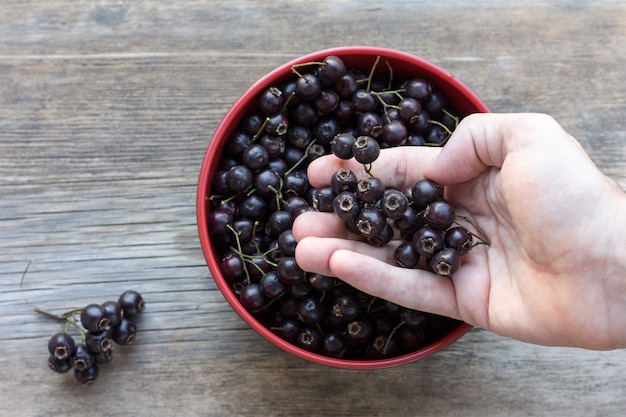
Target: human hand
pixel 555 272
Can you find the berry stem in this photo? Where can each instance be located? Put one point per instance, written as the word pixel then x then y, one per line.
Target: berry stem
pixel 484 239
pixel 306 155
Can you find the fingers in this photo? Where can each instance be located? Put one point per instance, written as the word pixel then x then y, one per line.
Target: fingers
pixel 367 269
pixel 396 167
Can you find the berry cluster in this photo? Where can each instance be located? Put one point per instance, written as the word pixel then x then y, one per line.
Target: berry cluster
pixel 426 222
pixel 261 186
pixel 99 325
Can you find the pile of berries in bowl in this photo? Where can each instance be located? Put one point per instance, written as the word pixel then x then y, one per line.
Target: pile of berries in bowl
pixel 351 102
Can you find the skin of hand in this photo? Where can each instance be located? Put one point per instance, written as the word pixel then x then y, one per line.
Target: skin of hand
pixel 555 271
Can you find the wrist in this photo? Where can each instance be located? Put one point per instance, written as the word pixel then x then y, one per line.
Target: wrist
pixel 616 270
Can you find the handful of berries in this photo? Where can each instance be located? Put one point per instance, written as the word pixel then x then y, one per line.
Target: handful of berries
pixel 99 326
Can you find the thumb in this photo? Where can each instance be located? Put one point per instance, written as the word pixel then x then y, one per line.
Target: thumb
pixel 477 143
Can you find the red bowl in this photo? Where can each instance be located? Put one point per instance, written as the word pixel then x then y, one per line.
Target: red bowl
pixel 404 65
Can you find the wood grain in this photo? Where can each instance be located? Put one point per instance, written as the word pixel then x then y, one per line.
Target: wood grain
pixel 106 110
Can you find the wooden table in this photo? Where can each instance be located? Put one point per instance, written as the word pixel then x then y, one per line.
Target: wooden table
pixel 106 110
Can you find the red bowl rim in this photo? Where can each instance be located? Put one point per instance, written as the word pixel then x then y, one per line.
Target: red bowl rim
pixel 230 120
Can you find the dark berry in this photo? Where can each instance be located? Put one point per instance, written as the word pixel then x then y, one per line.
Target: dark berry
pixel 370 124
pixel 99 341
pixel 253 207
pixel 370 221
pixel 114 312
pixel 93 317
pixel 278 222
pixel 408 108
pixel 445 262
pixel 326 102
pixel 289 272
pixel 334 345
pixel 255 157
pixel 393 203
pixel 458 238
pixel 332 69
pixel 287 243
pixel 104 357
pixel 271 100
pixel 363 101
pixel 370 190
pixel 132 303
pixel 271 285
pixel 323 199
pixel 406 255
pixel 346 307
pixel 382 238
pixel 325 130
pixel 310 310
pixel 343 180
pixel 425 192
pixel 87 376
pixel 82 358
pixel 418 88
pixel 427 241
pixel 308 86
pixel 439 215
pixel 299 136
pixel 310 339
pixel 232 268
pixel 342 145
pixel 346 205
pixel 252 298
pixel 321 282
pixel 239 178
pixel 267 183
pixel 277 124
pixel 360 331
pixel 60 366
pixel 125 332
pixel 288 329
pixel 61 345
pixel 394 133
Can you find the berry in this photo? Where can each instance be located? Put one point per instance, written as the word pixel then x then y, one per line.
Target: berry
pixel 61 346
pixel 124 333
pixel 425 192
pixel 370 190
pixel 365 149
pixel 427 241
pixel 252 298
pixel 59 366
pixel 393 203
pixel 370 221
pixel 439 215
pixel 113 312
pixel 343 180
pixel 334 345
pixel 458 238
pixel 87 376
pixel 308 86
pixel 445 262
pixel 406 255
pixel 347 205
pixel 271 100
pixel 99 341
pixel 342 145
pixel 82 358
pixel 132 303
pixel 94 318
